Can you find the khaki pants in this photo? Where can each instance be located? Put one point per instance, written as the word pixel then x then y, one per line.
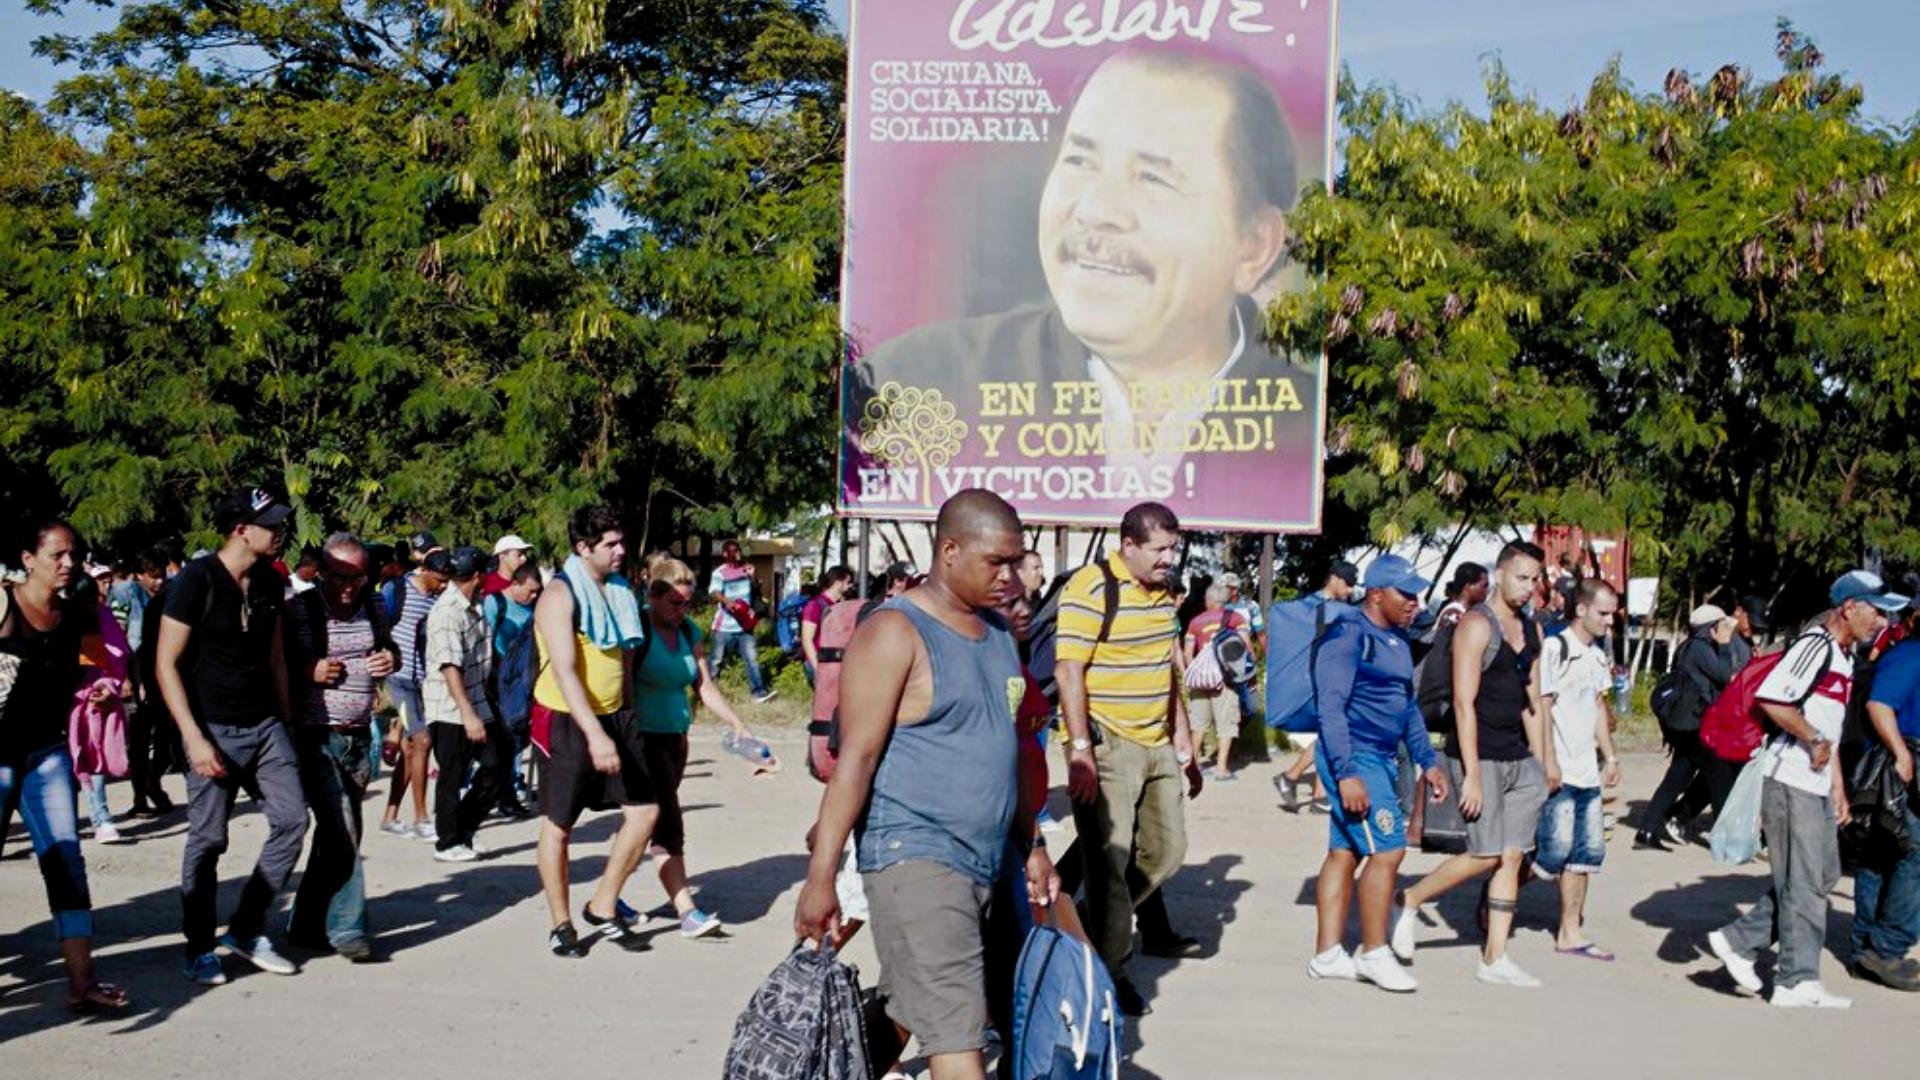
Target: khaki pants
pixel 1138 821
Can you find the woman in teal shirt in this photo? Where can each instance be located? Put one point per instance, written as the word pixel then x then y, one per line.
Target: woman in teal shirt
pixel 672 669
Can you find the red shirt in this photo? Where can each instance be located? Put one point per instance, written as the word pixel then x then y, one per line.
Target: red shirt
pixel 1029 722
pixel 494 584
pixel 1208 624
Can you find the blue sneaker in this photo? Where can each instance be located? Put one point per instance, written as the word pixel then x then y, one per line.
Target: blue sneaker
pixel 697 923
pixel 624 911
pixel 205 969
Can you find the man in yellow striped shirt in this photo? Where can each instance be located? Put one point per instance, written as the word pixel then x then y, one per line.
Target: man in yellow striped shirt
pixel 1131 756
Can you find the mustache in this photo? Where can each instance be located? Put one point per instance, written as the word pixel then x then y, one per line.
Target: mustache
pixel 1104 250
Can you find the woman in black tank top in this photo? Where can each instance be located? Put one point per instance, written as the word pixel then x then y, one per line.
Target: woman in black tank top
pixel 40 632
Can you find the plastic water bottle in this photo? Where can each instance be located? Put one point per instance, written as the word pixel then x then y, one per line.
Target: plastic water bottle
pixel 757 753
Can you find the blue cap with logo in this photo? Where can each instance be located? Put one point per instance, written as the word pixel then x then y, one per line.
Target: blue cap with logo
pixel 1866 587
pixel 1394 572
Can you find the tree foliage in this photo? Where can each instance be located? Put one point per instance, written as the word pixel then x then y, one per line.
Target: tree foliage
pixel 460 264
pixel 1688 314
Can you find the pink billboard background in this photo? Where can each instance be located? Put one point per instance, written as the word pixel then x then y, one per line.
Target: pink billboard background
pixel 957 113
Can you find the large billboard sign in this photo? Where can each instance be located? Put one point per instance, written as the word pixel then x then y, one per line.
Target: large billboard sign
pixel 1065 220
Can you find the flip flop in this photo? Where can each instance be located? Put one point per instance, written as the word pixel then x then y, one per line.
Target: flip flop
pixel 1588 951
pixel 99 995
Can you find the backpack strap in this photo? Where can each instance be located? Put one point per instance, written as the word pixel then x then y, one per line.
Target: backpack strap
pixel 1110 602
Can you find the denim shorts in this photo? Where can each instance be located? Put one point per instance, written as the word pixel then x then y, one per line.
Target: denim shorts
pixel 1572 836
pixel 1382 827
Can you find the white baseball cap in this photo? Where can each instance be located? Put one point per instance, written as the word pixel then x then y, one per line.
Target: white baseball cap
pixel 510 542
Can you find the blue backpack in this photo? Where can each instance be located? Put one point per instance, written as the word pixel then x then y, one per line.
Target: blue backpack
pixel 1295 630
pixel 1065 1023
pixel 786 627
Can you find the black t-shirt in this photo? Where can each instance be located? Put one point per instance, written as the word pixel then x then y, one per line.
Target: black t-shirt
pixel 46 676
pixel 1501 704
pixel 228 665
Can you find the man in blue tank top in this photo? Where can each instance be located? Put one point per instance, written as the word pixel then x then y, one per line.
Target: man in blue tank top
pixel 927 772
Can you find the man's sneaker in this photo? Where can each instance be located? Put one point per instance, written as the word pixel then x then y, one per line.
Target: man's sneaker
pixel 480 849
pixel 1504 972
pixel 456 853
pixel 1903 974
pixel 355 949
pixel 765 696
pixel 1737 966
pixel 1674 834
pixel 108 834
pixel 394 828
pixel 260 953
pixel 1645 840
pixel 1402 925
pixel 424 830
pixel 1380 968
pixel 1809 995
pixel 697 923
pixel 205 969
pixel 1321 806
pixel 624 910
pixel 1332 964
pixel 616 926
pixel 564 940
pixel 1289 793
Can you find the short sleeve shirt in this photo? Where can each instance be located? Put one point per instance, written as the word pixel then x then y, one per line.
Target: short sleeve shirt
pixel 1207 625
pixel 815 610
pixel 350 641
pixel 1896 684
pixel 228 664
pixel 457 638
pixel 734 584
pixel 1817 675
pixel 1575 676
pixel 1130 674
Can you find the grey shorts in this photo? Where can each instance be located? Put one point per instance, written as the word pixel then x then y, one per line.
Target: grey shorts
pixel 929 927
pixel 1511 795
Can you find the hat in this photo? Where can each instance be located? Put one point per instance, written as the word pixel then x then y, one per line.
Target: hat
pixel 422 542
pixel 250 506
pixel 95 569
pixel 902 570
pixel 1705 615
pixel 1394 572
pixel 1866 587
pixel 1346 572
pixel 438 561
pixel 465 562
pixel 510 542
pixel 1230 579
pixel 1756 610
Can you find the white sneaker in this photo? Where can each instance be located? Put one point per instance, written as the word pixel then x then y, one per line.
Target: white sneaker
pixel 1504 972
pixel 108 834
pixel 1809 995
pixel 260 953
pixel 394 828
pixel 456 853
pixel 479 849
pixel 1402 921
pixel 1380 968
pixel 1332 964
pixel 1737 966
pixel 424 830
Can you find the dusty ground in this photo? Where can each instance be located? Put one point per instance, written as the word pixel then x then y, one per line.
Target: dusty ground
pixel 469 989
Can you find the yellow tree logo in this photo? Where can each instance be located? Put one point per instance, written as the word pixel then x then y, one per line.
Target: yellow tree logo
pixel 908 427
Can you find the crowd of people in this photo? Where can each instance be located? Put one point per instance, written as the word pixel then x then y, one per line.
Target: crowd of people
pixel 937 702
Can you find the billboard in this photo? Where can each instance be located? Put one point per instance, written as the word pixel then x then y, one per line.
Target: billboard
pixel 1065 220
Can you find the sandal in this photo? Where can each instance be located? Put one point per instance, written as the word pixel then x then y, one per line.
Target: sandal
pixel 1590 951
pixel 99 995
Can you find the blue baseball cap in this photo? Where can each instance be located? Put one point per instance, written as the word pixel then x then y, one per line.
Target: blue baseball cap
pixel 1394 572
pixel 1866 587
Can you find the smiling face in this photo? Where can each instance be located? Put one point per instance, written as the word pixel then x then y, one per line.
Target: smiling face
pixel 1141 236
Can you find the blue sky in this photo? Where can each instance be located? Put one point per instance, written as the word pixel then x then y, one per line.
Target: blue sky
pixel 1435 49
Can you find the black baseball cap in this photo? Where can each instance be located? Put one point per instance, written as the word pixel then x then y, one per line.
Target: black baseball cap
pixel 423 542
pixel 902 571
pixel 1346 572
pixel 1756 609
pixel 250 506
pixel 438 561
pixel 465 562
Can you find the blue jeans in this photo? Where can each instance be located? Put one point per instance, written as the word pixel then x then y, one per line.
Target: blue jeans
pixel 1572 835
pixel 1886 904
pixel 332 898
pixel 97 812
pixel 46 787
pixel 742 643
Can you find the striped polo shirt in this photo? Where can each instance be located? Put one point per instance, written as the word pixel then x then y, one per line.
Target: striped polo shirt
pixel 1129 675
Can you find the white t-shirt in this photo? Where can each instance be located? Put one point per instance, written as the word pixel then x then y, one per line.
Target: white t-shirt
pixel 1575 676
pixel 1817 675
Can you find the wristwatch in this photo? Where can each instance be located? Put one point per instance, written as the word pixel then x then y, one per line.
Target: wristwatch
pixel 1082 744
pixel 1039 843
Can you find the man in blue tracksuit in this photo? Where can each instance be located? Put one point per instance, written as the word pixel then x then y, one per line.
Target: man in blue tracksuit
pixel 1364 696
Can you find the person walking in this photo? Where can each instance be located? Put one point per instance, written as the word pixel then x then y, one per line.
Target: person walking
pixel 40 632
pixel 733 618
pixel 1363 694
pixel 1703 669
pixel 1886 895
pixel 222 669
pixel 1804 796
pixel 509 615
pixel 338 648
pixel 1214 706
pixel 409 599
pixel 465 729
